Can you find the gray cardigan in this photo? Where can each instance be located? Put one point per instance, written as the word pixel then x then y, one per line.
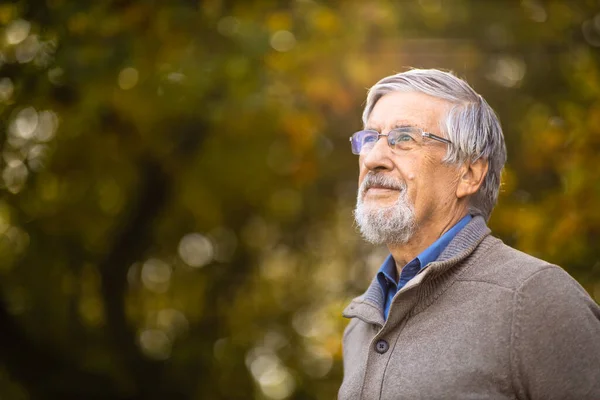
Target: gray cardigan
pixel 484 321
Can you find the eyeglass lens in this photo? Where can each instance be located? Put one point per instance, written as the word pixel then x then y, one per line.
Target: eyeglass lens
pixel 398 139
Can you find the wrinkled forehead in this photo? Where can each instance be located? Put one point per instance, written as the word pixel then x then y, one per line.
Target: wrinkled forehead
pixel 408 109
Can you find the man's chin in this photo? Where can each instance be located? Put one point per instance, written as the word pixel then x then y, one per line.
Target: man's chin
pixel 384 225
pixel 377 203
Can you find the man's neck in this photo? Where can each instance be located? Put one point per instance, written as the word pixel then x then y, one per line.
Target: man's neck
pixel 424 237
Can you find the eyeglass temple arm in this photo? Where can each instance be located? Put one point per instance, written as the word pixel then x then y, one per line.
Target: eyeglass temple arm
pixel 435 137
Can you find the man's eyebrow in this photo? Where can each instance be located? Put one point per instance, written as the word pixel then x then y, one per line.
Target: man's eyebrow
pixel 403 124
pixel 398 124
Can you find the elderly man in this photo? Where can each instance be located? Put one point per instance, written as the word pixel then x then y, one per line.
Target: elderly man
pixel 454 313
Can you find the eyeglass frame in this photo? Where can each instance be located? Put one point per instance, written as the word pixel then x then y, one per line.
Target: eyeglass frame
pixel 423 134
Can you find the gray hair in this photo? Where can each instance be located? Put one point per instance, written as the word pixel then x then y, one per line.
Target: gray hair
pixel 471 125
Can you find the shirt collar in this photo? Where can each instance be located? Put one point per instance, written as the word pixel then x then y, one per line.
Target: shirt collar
pixel 387 271
pixel 431 253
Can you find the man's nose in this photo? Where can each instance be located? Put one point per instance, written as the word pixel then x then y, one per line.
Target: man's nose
pixel 379 157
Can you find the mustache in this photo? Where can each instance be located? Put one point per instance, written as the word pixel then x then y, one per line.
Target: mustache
pixel 379 179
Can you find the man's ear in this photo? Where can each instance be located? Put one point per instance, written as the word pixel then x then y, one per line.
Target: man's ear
pixel 472 175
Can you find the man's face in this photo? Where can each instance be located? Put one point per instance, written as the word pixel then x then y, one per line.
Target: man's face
pixel 400 191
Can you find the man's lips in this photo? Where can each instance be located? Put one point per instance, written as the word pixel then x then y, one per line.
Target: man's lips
pixel 379 190
pixel 379 187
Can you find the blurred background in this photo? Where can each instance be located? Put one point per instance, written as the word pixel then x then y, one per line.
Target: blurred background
pixel 177 182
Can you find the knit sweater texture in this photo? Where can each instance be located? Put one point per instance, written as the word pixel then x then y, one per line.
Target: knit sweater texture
pixel 484 321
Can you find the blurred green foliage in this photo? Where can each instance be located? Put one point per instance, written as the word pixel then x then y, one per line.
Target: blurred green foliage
pixel 177 184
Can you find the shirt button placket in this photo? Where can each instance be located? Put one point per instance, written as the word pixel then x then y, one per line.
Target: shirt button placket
pixel 381 346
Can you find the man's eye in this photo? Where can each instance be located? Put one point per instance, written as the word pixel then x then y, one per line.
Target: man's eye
pixel 370 139
pixel 402 138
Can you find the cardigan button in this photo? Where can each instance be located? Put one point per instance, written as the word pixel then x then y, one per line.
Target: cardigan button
pixel 381 346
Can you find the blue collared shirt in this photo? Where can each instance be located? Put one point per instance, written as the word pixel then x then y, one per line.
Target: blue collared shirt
pixel 387 275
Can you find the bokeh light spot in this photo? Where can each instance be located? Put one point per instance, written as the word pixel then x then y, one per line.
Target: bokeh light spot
pixel 273 377
pixel 283 41
pixel 47 125
pixel 195 250
pixel 128 78
pixel 25 123
pixel 15 175
pixel 17 31
pixel 27 49
pixel 507 71
pixel 277 383
pixel 155 344
pixel 156 275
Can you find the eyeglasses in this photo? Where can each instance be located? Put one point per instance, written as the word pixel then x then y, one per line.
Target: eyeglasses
pixel 403 138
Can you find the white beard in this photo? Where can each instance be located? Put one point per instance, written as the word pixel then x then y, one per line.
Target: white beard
pixel 385 225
